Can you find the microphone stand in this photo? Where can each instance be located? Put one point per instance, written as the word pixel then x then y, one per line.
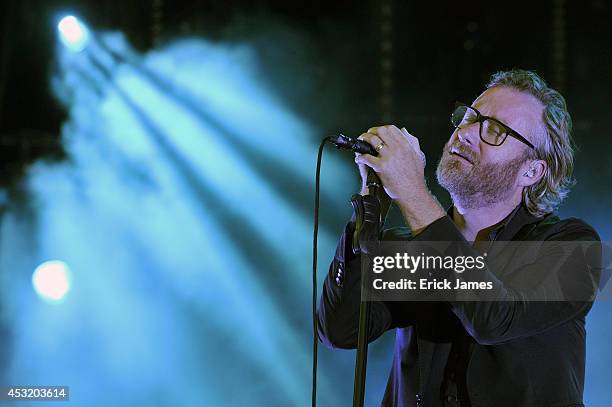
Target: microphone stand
pixel 370 212
pixel 361 236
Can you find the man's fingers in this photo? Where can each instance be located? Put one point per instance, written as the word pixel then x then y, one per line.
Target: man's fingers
pixel 383 133
pixel 391 134
pixel 372 139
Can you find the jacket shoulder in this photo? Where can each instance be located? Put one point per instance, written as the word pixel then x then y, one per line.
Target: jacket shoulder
pixel 551 227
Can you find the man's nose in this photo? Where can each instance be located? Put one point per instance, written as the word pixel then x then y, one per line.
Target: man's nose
pixel 469 135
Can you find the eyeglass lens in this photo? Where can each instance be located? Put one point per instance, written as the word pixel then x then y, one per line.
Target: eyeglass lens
pixel 490 131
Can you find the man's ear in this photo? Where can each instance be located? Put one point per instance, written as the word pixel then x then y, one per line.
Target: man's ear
pixel 532 172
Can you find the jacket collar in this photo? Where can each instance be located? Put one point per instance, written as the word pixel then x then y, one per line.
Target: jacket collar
pixel 508 227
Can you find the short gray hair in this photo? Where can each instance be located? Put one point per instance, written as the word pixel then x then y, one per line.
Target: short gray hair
pixel 556 148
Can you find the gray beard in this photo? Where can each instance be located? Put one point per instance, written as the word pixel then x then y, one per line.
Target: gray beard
pixel 478 185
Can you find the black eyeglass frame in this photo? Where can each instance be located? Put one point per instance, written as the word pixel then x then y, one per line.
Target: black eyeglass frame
pixel 480 118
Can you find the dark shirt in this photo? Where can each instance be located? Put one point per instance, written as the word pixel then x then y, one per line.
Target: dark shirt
pixel 463 353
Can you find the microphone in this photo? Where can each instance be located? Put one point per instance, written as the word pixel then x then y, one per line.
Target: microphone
pixel 358 146
pixel 346 143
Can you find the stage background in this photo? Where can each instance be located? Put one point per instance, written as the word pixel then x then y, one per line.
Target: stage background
pixel 170 167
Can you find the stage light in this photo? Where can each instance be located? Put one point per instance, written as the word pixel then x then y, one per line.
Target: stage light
pixel 51 280
pixel 73 33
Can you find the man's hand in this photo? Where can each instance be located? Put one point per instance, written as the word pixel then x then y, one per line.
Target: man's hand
pixel 400 165
pixel 400 162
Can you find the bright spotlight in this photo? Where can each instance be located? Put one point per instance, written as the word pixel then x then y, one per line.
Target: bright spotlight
pixel 73 33
pixel 51 280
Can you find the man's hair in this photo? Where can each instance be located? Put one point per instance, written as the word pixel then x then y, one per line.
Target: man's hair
pixel 555 146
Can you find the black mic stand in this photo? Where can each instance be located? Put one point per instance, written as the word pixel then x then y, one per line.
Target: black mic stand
pixel 370 212
pixel 365 238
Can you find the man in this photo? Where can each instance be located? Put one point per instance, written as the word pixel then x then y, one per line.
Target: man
pixel 507 166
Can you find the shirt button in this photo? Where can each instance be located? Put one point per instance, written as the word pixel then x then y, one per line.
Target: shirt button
pixel 340 274
pixel 339 279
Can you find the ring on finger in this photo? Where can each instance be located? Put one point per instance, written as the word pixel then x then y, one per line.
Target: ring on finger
pixel 379 147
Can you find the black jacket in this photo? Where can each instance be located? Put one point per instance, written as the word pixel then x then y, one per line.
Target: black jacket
pixel 522 353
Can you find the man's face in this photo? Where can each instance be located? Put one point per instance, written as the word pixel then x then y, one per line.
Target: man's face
pixel 477 174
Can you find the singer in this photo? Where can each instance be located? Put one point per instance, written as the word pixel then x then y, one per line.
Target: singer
pixel 507 166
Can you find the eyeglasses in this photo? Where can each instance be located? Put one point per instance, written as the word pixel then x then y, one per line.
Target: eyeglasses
pixel 492 131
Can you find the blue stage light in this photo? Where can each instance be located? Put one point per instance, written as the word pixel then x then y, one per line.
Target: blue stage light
pixel 51 280
pixel 73 33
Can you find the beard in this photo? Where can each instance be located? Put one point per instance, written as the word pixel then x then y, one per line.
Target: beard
pixel 478 184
